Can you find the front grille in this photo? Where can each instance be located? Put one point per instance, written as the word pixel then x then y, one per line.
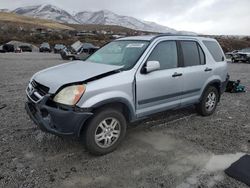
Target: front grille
pixel 36 91
pixel 34 98
pixel 43 90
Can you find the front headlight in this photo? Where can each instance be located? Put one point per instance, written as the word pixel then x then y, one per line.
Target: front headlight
pixel 70 95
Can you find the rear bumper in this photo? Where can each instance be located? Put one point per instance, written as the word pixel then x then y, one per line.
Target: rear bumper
pixel 224 85
pixel 55 120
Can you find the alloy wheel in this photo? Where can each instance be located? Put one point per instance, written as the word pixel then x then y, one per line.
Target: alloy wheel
pixel 211 101
pixel 107 132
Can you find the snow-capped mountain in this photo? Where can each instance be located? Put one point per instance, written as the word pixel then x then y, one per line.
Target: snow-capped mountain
pixel 103 17
pixel 47 12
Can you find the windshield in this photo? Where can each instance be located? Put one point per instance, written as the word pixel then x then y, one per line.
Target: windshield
pixel 120 53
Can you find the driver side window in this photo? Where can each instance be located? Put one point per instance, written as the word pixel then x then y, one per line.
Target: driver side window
pixel 166 53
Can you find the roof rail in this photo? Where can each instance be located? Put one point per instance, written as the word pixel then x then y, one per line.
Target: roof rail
pixel 171 34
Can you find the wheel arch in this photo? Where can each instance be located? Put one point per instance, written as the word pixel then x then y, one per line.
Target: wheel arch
pixel 215 83
pixel 118 103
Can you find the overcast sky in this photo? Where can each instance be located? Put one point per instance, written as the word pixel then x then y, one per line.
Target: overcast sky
pixel 201 16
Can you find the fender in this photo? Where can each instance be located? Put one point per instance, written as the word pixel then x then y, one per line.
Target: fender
pixel 118 100
pixel 110 97
pixel 124 101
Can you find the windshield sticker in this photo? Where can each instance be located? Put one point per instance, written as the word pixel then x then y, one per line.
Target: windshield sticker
pixel 135 45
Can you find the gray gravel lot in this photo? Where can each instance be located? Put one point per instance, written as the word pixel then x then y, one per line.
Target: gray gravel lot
pixel 172 149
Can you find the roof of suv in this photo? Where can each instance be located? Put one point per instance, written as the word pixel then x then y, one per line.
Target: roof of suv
pixel 152 37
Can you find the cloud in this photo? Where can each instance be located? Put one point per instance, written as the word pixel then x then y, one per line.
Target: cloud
pixel 202 16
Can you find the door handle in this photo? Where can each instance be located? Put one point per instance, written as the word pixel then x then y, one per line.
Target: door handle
pixel 176 74
pixel 208 69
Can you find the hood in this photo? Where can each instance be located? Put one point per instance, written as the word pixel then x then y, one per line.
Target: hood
pixel 76 71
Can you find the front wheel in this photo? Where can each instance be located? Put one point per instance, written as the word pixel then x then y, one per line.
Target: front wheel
pixel 208 102
pixel 105 131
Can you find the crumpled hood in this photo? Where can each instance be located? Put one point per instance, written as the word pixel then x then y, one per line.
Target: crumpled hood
pixel 76 71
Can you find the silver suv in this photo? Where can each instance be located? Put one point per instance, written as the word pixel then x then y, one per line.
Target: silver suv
pixel 124 81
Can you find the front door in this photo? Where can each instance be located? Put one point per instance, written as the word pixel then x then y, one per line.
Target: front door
pixel 160 90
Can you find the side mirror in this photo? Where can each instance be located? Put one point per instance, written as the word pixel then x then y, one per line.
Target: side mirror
pixel 152 66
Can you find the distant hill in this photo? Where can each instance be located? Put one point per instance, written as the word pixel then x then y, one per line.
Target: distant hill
pixel 105 17
pixel 12 18
pixel 102 17
pixel 47 12
pixel 35 31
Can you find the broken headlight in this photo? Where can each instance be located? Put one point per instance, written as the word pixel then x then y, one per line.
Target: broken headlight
pixel 70 95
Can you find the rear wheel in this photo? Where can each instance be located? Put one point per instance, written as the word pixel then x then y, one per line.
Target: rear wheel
pixel 208 102
pixel 105 131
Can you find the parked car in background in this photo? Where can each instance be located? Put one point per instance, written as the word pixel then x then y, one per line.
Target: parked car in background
pixel 231 54
pixel 8 48
pixel 58 48
pixel 86 50
pixel 127 80
pixel 66 54
pixel 242 56
pixel 25 48
pixel 45 47
pixel 18 50
pixel 78 51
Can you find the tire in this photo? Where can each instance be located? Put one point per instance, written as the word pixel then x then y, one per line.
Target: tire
pixel 209 101
pixel 96 126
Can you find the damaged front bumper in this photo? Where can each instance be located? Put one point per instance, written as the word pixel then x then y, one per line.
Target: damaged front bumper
pixel 56 120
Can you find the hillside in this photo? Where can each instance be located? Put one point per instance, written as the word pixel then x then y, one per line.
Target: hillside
pixel 34 22
pixel 17 21
pixel 45 11
pixel 105 17
pixel 36 31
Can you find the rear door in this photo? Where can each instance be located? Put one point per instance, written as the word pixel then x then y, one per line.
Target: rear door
pixel 196 71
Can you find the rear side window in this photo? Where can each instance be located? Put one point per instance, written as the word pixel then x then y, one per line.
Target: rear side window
pixel 166 53
pixel 192 53
pixel 214 50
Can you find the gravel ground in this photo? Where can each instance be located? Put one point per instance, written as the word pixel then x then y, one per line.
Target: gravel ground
pixel 172 149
